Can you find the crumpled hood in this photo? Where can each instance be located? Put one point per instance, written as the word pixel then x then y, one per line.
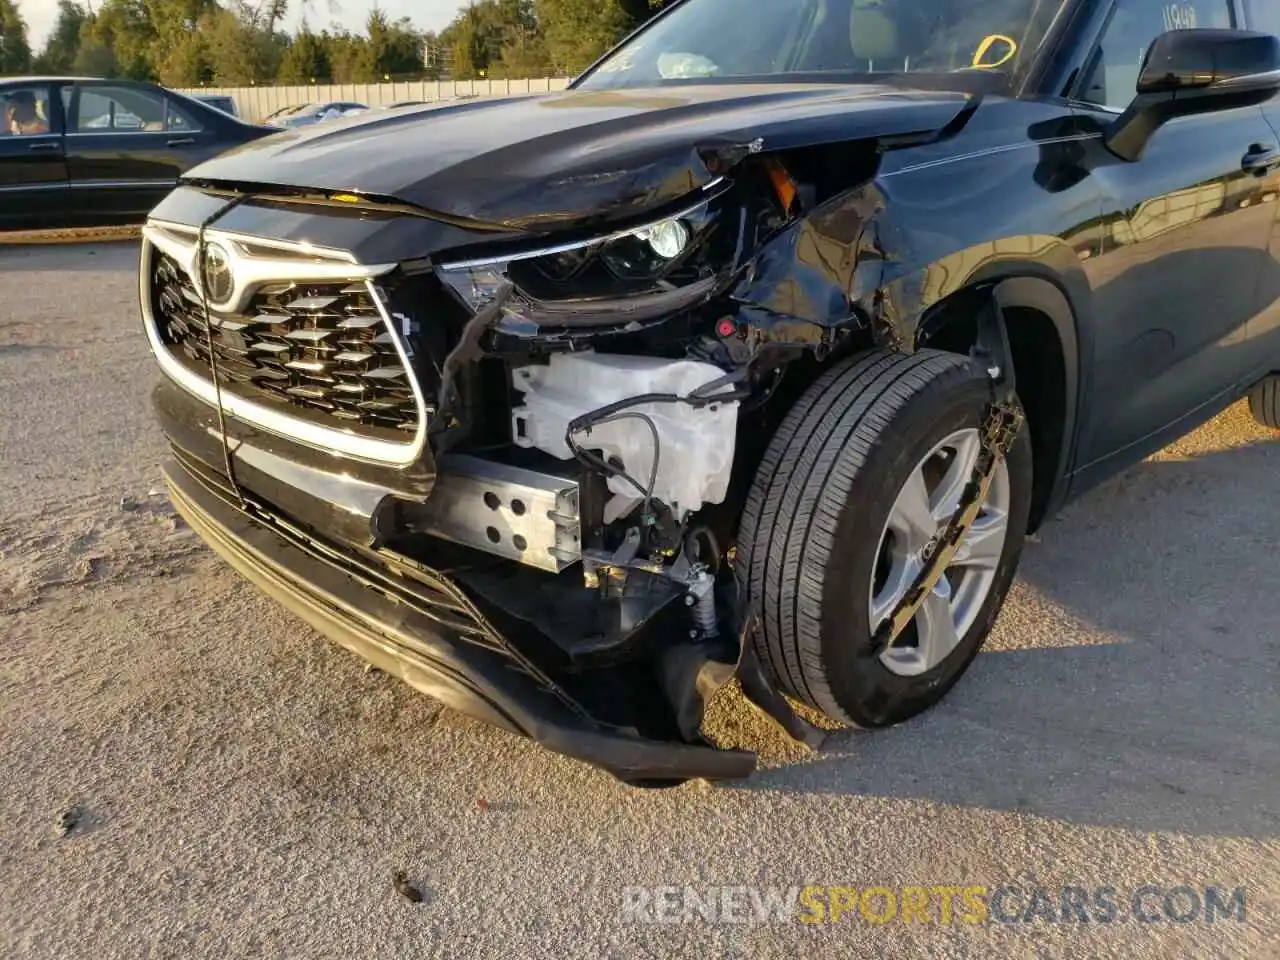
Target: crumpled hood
pixel 533 163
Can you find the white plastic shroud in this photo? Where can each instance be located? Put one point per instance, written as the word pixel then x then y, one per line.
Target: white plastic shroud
pixel 696 443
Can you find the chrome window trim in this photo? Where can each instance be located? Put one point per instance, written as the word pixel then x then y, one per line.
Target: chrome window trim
pixel 580 244
pixel 129 131
pixel 132 132
pixel 122 184
pixel 330 439
pixel 16 187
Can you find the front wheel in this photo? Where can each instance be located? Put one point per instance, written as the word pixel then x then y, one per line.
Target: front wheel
pixel 1264 402
pixel 865 470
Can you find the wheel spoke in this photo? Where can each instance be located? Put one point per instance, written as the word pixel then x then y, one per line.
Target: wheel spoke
pixel 935 626
pixel 983 544
pixel 902 574
pixel 911 518
pixel 946 498
pixel 928 500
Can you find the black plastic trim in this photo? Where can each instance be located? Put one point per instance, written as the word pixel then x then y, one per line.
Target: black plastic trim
pixel 468 677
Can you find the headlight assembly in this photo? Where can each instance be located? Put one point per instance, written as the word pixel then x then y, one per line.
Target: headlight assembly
pixel 636 275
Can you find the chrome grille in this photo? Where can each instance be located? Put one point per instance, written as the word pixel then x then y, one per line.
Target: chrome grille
pixel 319 348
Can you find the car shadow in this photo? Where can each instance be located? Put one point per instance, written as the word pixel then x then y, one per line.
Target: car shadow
pixel 1132 680
pixel 94 255
pixel 23 349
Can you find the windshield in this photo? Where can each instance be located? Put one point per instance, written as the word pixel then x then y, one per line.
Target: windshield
pixel 710 40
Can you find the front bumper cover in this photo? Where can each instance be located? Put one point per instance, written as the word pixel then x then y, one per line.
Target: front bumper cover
pixel 423 651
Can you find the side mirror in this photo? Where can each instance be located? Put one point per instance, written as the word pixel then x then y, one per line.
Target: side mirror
pixel 1195 71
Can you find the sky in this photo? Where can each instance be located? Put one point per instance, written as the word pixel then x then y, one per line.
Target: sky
pixel 425 14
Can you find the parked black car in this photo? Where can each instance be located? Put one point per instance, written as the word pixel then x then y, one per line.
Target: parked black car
pixel 80 152
pixel 757 352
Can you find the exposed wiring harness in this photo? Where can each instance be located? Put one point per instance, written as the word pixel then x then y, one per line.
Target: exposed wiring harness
pixel 622 410
pixel 589 459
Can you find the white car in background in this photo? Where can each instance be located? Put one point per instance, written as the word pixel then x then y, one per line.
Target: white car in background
pixel 316 113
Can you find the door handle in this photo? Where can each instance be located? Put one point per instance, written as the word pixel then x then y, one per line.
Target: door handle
pixel 181 141
pixel 45 145
pixel 1261 159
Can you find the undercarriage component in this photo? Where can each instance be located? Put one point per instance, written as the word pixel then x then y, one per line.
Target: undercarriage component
pixel 612 573
pixel 672 452
pixel 606 621
pixel 522 515
pixel 702 603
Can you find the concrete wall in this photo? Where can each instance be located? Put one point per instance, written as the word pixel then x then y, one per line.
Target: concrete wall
pixel 256 102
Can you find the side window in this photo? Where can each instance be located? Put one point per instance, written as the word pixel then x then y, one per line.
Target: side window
pixel 128 109
pixel 24 112
pixel 1263 15
pixel 176 119
pixel 1113 75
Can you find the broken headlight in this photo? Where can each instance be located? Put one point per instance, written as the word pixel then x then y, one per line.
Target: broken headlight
pixel 645 273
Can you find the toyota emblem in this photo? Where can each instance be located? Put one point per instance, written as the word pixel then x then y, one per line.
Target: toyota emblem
pixel 219 284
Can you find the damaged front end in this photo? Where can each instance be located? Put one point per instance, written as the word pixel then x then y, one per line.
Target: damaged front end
pixel 510 467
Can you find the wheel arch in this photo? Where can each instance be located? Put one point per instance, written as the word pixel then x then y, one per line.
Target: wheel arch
pixel 1044 340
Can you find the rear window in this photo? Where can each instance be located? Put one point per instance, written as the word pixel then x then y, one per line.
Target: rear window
pixel 129 109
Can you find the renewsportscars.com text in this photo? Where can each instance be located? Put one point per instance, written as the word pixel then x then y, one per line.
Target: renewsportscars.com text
pixel 942 904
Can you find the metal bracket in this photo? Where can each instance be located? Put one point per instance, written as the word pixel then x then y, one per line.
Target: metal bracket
pixel 991 349
pixel 1000 428
pixel 1002 420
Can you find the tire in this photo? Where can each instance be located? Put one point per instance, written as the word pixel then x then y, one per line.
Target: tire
pixel 1264 402
pixel 810 541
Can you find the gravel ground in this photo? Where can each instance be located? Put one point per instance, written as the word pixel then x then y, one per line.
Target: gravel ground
pixel 56 235
pixel 186 770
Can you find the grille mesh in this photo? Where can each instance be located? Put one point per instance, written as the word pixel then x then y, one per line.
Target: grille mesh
pixel 321 349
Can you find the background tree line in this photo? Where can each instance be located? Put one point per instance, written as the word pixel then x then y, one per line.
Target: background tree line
pixel 186 43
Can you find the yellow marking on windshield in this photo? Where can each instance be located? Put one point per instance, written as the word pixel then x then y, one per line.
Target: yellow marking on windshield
pixel 987 43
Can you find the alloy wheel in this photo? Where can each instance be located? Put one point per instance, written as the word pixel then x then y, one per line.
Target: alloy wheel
pixel 922 509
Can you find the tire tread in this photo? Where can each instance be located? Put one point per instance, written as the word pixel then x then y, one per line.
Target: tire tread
pixel 789 523
pixel 1264 402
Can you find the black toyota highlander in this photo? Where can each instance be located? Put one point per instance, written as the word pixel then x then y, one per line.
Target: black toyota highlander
pixel 752 356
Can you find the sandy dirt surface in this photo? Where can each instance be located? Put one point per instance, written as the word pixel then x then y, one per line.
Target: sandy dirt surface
pixel 185 770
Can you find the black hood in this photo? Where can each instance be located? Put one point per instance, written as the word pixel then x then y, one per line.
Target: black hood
pixel 533 163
